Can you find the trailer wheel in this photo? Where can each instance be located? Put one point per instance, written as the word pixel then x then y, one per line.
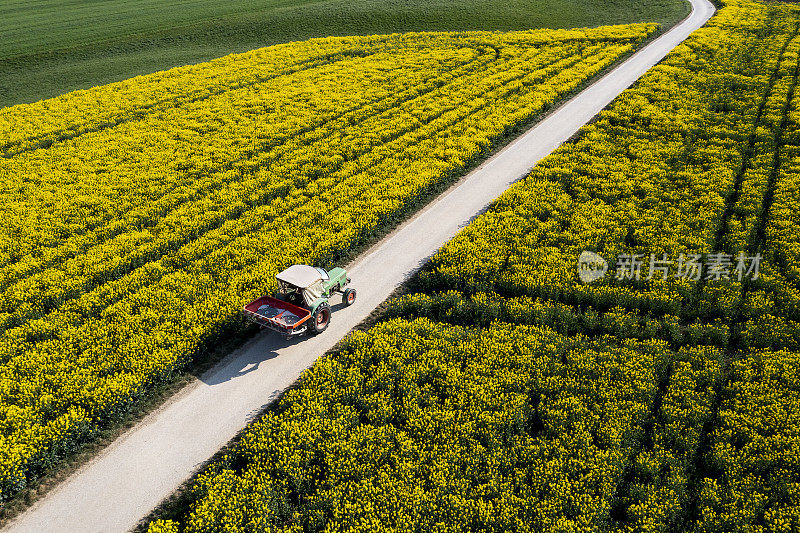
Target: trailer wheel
pixel 349 297
pixel 320 319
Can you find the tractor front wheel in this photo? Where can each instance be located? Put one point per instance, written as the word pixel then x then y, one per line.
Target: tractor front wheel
pixel 321 318
pixel 349 297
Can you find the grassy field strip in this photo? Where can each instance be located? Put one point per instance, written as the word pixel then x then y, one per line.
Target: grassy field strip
pixel 55 23
pixel 83 43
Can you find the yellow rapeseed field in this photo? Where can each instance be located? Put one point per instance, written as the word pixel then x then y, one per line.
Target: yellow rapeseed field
pixel 506 392
pixel 137 217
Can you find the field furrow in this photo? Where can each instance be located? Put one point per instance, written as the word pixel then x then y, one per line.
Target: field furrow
pixel 49 291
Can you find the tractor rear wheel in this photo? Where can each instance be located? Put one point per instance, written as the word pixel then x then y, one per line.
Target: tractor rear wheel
pixel 349 297
pixel 321 318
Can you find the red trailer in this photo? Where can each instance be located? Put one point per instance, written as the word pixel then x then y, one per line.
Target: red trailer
pixel 278 315
pixel 301 302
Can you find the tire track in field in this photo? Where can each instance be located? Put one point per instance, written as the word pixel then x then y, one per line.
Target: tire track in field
pixel 269 144
pixel 622 495
pixel 689 307
pixel 192 176
pixel 7 150
pixel 703 464
pixel 139 261
pixel 185 262
pixel 142 112
pixel 759 236
pixel 748 153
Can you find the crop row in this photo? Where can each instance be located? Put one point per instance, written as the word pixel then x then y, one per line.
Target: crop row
pixel 130 238
pixel 32 126
pixel 481 309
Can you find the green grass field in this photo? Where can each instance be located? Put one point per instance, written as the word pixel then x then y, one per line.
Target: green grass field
pixel 50 47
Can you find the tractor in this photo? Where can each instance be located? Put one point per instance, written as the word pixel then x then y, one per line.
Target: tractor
pixel 301 302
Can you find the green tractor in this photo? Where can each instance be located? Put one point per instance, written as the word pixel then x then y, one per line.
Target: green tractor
pixel 301 303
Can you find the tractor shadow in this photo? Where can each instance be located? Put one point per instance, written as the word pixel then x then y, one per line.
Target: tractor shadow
pixel 336 307
pixel 248 358
pixel 261 347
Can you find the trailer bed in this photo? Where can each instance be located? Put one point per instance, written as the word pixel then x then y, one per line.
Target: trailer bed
pixel 278 315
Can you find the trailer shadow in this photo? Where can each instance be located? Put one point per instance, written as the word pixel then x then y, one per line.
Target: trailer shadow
pixel 248 358
pixel 261 347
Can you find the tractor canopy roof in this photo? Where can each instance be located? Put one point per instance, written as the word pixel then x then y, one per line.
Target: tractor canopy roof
pixel 303 276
